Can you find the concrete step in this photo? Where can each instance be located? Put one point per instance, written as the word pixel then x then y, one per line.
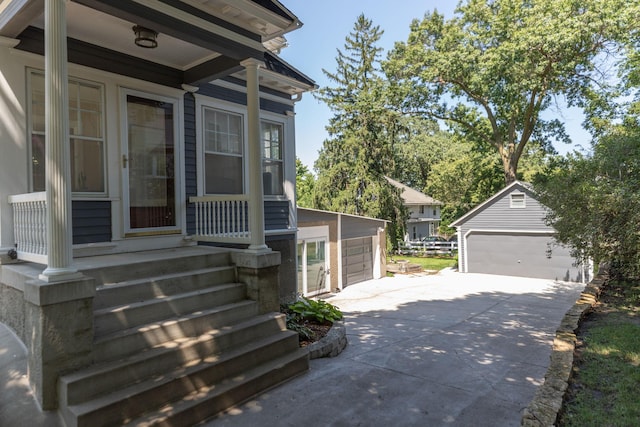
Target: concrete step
pixel 111 319
pixel 123 343
pixel 209 401
pixel 154 263
pixel 126 404
pixel 100 379
pixel 130 291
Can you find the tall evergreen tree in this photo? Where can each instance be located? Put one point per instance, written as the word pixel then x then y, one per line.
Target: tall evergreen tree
pixel 305 181
pixel 359 152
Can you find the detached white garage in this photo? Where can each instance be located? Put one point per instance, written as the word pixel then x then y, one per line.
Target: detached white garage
pixel 507 235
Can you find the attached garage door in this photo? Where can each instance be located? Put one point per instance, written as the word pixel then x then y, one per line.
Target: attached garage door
pixel 524 255
pixel 357 261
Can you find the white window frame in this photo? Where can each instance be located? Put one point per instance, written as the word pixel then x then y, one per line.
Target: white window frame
pixel 517 200
pixel 282 159
pixel 203 102
pixel 103 139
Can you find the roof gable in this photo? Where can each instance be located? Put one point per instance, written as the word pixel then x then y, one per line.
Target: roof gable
pixel 516 185
pixel 411 196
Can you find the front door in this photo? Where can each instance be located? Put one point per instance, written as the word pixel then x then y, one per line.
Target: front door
pixel 149 165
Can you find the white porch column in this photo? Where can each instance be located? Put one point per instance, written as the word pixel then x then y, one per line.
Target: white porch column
pixel 256 203
pixel 58 171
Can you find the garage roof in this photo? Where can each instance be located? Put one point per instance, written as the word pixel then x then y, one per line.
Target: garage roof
pixel 524 186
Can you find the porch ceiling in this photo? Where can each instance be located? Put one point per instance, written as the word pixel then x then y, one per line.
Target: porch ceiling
pixel 205 39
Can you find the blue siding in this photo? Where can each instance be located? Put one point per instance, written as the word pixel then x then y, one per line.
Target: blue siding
pixel 276 214
pixel 91 221
pixel 237 97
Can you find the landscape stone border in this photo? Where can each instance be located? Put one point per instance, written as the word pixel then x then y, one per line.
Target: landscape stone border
pixel 331 344
pixel 547 402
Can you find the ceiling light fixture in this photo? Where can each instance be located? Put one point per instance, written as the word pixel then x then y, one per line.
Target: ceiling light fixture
pixel 145 37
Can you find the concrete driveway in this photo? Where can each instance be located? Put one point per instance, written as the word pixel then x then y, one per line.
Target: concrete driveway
pixel 445 350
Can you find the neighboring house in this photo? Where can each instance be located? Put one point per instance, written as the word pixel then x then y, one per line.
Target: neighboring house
pixel 424 212
pixel 336 250
pixel 507 235
pixel 126 127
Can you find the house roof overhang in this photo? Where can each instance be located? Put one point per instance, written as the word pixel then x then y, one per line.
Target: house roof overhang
pixel 412 197
pixel 200 40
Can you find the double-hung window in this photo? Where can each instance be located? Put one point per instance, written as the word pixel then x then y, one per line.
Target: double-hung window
pixel 223 151
pixel 86 131
pixel 272 160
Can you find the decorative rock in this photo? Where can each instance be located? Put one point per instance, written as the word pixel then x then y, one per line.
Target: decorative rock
pixel 332 344
pixel 547 402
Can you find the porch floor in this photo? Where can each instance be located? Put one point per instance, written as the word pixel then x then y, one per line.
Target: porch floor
pixel 32 270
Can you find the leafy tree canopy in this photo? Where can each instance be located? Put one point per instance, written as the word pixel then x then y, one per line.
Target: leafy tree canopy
pixel 493 68
pixel 594 200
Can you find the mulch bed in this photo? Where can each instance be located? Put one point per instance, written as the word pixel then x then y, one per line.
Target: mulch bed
pixel 319 332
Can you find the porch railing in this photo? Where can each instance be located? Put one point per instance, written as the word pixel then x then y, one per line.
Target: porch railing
pixel 223 218
pixel 30 226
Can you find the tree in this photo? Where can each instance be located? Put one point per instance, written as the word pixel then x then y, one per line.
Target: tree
pixel 594 200
pixel 305 183
pixel 463 178
pixel 359 152
pixel 491 70
pixel 419 144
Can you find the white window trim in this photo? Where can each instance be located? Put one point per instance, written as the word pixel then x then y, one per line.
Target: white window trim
pixel 223 106
pixel 105 140
pixel 288 144
pixel 518 205
pixel 288 152
pixel 282 160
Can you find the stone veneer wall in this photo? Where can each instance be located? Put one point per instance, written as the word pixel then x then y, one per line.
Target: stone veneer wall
pixel 547 402
pixel 12 309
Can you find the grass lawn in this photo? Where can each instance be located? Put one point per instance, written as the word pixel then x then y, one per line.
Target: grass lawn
pixel 428 263
pixel 604 387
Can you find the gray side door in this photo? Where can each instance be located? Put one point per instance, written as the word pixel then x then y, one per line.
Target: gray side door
pixel 357 260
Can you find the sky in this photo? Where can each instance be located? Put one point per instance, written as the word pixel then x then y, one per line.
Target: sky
pixel 326 24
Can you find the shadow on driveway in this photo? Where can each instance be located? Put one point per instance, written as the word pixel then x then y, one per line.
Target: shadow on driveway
pixel 425 351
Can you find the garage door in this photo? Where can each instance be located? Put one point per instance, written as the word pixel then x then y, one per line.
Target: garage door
pixel 524 255
pixel 357 261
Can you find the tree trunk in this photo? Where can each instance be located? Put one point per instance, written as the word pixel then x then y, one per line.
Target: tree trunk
pixel 510 166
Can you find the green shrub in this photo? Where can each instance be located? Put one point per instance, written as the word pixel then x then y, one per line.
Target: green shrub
pixel 294 324
pixel 319 311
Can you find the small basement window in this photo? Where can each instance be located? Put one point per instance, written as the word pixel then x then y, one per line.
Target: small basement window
pixel 517 200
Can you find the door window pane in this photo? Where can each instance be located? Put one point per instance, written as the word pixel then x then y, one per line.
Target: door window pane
pixel 301 266
pixel 152 199
pixel 315 267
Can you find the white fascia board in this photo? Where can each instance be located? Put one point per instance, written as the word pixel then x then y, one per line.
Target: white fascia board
pixel 473 211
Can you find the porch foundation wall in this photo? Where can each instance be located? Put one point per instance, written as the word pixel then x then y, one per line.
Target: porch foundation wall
pixel 12 309
pixel 288 272
pixel 55 323
pixel 261 273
